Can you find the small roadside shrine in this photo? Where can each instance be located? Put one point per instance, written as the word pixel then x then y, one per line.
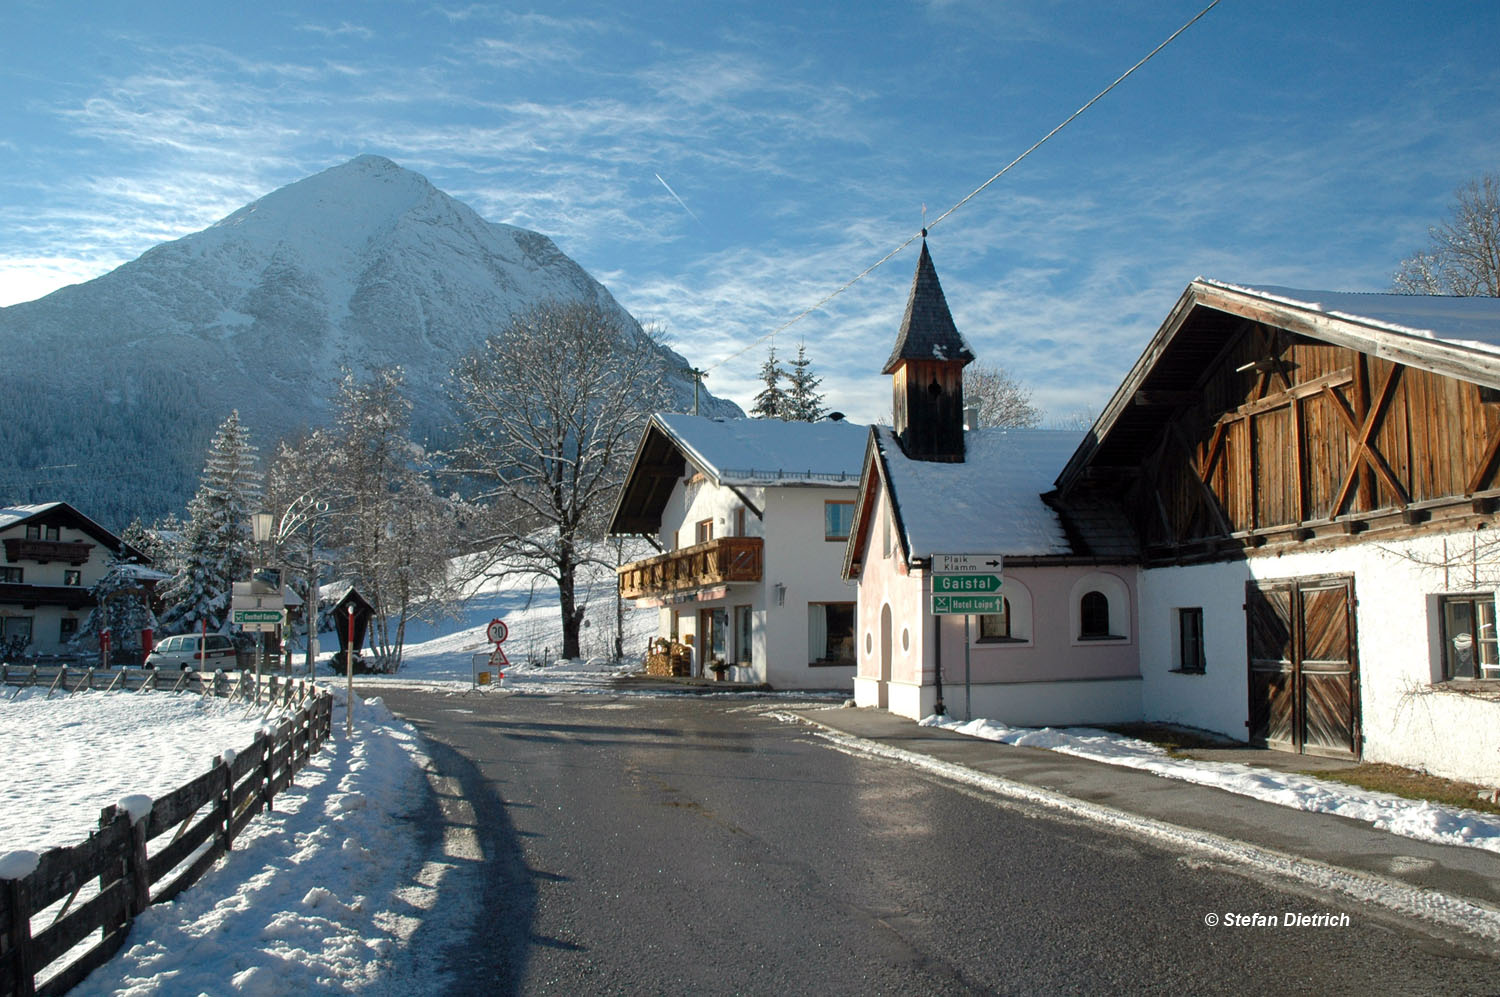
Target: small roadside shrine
pixel 339 616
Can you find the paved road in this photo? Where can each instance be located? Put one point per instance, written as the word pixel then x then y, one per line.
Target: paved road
pixel 698 846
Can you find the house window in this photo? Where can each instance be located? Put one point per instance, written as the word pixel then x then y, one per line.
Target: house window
pixel 67 630
pixel 739 522
pixel 995 627
pixel 71 577
pixel 830 633
pixel 1093 616
pixel 33 531
pixel 704 531
pixel 17 629
pixel 837 518
pixel 885 534
pixel 742 633
pixel 1469 648
pixel 1190 657
pixel 53 533
pixel 11 575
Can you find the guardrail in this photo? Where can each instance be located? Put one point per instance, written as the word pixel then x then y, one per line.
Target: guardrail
pixel 149 854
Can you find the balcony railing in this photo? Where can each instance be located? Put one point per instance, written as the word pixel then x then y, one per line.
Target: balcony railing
pixel 42 551
pixel 729 559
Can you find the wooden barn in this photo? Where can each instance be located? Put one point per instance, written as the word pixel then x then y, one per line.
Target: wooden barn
pixel 1312 478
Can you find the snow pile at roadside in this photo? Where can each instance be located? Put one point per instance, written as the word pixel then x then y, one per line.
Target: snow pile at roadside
pixel 322 894
pixel 68 757
pixel 1409 818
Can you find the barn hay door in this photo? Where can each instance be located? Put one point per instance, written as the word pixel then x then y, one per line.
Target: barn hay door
pixel 1303 666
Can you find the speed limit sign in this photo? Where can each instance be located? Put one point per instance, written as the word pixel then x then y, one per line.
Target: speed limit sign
pixel 497 631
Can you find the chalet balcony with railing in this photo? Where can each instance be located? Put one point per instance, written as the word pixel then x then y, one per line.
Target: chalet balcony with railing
pixel 714 562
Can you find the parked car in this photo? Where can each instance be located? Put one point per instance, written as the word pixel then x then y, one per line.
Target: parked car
pixel 183 652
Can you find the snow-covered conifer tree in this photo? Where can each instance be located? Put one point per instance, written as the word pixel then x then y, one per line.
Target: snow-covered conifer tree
pixel 120 607
pixel 804 403
pixel 771 402
pixel 216 546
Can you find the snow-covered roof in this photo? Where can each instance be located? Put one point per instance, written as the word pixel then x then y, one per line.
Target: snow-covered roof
pixel 1473 321
pixel 769 451
pixel 991 502
pixel 17 513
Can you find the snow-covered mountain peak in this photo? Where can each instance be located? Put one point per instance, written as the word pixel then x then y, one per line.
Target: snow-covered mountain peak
pixel 363 265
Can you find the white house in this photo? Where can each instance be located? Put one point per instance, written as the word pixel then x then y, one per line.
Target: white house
pixel 53 555
pixel 751 516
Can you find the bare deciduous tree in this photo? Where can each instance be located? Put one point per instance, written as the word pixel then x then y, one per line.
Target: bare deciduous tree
pixel 1002 400
pixel 1464 256
pixel 395 534
pixel 551 409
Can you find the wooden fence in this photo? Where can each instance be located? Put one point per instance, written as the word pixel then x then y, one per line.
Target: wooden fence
pixel 129 864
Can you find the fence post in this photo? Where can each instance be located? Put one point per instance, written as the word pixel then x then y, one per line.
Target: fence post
pixel 111 873
pixel 267 752
pixel 18 940
pixel 226 804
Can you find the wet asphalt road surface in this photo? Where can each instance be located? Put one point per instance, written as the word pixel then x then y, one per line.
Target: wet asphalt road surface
pixel 690 845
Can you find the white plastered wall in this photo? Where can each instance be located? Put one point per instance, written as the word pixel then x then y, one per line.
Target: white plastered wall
pixel 795 555
pixel 1408 717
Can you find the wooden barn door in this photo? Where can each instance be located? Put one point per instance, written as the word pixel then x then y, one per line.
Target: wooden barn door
pixel 1303 666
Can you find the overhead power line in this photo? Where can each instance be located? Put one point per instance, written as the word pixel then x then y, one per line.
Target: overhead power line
pixel 965 200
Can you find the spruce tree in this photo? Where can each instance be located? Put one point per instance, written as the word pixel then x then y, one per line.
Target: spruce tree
pixel 120 607
pixel 804 403
pixel 216 545
pixel 772 401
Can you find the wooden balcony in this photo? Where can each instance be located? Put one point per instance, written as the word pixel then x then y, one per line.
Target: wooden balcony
pixel 715 562
pixel 42 551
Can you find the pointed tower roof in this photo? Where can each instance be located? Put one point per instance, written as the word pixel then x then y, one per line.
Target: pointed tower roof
pixel 927 329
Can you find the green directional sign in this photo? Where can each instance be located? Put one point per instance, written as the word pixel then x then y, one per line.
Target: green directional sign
pixel 243 617
pixel 967 605
pixel 966 583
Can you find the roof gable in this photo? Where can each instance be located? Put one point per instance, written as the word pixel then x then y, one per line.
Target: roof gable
pixel 735 453
pixel 1451 336
pixel 60 513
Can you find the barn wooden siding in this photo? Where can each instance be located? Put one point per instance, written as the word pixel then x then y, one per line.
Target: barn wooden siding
pixel 1287 438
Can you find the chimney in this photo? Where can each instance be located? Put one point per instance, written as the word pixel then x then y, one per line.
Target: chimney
pixel 971 418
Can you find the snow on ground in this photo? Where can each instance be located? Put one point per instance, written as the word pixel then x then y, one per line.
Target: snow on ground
pixel 323 894
pixel 68 757
pixel 1409 818
pixel 528 604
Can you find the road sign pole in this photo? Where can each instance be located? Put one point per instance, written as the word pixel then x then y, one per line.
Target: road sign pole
pixel 937 655
pixel 968 702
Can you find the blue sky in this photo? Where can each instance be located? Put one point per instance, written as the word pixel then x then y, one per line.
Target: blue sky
pixel 1306 144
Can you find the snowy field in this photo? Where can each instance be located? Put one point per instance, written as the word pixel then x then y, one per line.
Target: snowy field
pixel 68 757
pixel 1409 818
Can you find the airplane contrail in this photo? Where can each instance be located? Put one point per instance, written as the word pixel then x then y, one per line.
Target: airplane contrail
pixel 677 199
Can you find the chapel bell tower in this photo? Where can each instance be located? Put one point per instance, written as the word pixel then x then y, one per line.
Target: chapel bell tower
pixel 927 366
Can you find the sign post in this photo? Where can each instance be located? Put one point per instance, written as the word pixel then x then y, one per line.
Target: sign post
pixel 491 665
pixel 964 585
